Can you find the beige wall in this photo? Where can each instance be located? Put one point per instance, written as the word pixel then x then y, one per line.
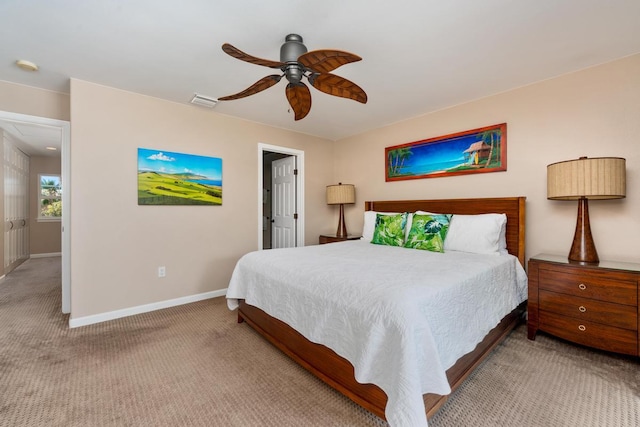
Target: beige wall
pixel 117 246
pixel 22 99
pixel 594 112
pixel 34 102
pixel 44 237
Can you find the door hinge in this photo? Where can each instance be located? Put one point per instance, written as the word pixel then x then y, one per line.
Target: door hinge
pixel 295 216
pixel 295 171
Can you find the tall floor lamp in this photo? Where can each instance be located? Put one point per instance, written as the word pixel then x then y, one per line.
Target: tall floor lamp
pixel 583 179
pixel 341 194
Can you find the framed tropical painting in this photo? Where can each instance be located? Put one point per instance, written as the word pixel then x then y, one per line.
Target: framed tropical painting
pixel 473 151
pixel 167 178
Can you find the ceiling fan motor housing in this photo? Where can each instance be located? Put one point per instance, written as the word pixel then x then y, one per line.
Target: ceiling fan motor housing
pixel 290 51
pixel 292 48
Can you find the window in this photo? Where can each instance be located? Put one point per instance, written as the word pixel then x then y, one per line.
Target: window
pixel 50 198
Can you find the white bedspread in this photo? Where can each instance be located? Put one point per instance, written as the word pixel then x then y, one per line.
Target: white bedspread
pixel 400 316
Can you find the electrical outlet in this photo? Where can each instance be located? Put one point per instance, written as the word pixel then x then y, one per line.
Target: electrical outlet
pixel 162 271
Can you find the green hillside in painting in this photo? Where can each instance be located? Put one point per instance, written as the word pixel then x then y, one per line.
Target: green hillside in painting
pixel 156 188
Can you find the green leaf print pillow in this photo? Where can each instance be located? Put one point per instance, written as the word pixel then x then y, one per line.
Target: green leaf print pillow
pixel 428 232
pixel 389 229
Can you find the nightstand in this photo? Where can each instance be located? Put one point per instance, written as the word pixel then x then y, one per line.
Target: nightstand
pixel 592 305
pixel 331 238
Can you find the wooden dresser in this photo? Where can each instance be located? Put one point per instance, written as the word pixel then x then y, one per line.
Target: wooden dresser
pixel 592 305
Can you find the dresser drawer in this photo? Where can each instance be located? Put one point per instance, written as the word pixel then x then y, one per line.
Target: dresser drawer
pixel 590 334
pixel 587 284
pixel 590 310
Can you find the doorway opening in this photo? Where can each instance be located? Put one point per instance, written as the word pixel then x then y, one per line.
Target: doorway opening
pixel 63 140
pixel 280 197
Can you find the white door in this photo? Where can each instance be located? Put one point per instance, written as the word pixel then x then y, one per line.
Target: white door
pixel 283 207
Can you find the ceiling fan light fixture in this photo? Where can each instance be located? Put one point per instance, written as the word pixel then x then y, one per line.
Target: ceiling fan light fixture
pixel 204 101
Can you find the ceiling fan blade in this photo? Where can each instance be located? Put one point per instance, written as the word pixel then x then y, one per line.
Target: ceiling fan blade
pixel 338 86
pixel 326 60
pixel 299 98
pixel 259 86
pixel 238 54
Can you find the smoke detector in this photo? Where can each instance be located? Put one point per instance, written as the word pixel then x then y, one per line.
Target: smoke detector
pixel 204 101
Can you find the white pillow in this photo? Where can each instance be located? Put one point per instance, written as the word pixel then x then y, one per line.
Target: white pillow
pixel 370 223
pixel 502 243
pixel 481 234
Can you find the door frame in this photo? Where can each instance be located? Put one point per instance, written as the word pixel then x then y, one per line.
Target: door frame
pixel 65 158
pixel 262 148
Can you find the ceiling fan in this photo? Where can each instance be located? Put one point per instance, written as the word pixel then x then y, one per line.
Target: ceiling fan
pixel 296 62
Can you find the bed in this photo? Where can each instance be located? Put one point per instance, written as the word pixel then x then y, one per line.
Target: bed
pixel 334 362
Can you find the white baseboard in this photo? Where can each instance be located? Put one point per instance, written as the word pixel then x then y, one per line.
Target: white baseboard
pixel 51 254
pixel 116 314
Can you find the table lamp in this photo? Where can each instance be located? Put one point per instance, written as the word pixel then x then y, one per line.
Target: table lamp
pixel 582 179
pixel 341 194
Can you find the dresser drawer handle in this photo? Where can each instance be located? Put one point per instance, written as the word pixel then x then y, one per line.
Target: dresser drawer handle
pixel 582 309
pixel 582 328
pixel 582 286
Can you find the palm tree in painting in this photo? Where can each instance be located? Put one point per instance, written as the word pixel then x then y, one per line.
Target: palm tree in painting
pixel 405 153
pixel 397 158
pixel 492 139
pixel 394 159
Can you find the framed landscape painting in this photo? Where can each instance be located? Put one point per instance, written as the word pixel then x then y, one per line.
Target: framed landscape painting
pixel 474 151
pixel 167 178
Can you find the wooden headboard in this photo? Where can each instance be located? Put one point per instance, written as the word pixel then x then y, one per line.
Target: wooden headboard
pixel 513 207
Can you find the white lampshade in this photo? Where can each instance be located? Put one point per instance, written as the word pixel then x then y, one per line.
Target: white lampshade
pixel 341 194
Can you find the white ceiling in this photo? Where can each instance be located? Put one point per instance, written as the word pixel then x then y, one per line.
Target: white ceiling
pixel 34 139
pixel 418 55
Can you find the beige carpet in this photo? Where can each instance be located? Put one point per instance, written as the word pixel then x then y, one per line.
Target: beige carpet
pixel 193 365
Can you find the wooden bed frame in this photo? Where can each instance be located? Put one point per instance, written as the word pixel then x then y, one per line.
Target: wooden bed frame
pixel 338 372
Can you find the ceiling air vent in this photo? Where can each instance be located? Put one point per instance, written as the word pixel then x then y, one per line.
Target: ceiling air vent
pixel 204 101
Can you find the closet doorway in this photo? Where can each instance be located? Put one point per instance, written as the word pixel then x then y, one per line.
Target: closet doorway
pixel 281 197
